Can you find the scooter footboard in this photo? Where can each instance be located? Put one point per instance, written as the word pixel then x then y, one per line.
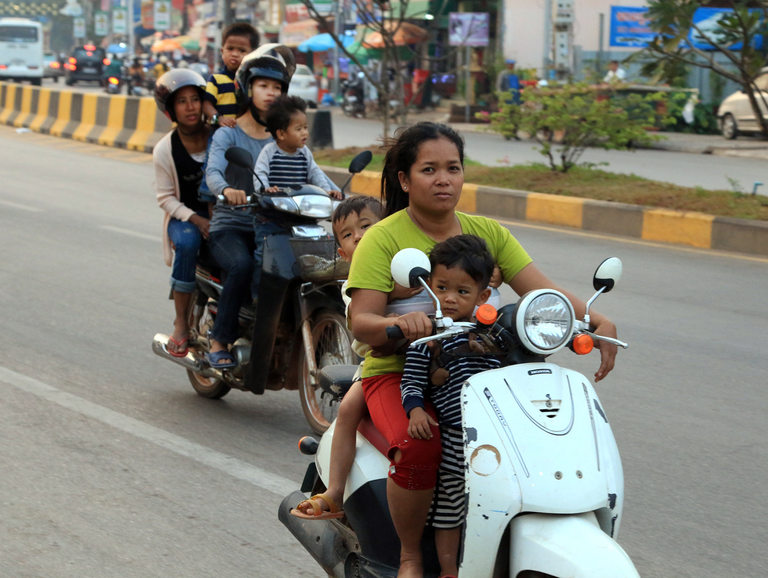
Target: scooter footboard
pixel 566 545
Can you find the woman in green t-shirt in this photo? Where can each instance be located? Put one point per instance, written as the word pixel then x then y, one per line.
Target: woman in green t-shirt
pixel 421 183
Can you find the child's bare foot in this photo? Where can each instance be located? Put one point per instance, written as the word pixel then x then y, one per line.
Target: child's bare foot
pixel 410 569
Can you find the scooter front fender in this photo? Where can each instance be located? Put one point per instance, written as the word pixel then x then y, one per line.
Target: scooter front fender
pixel 573 546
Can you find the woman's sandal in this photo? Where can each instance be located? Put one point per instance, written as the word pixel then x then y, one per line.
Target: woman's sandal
pixel 314 506
pixel 180 347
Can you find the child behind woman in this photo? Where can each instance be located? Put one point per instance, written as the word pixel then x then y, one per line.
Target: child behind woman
pixel 350 220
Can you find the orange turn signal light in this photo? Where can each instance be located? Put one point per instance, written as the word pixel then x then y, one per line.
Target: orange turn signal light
pixel 583 344
pixel 486 314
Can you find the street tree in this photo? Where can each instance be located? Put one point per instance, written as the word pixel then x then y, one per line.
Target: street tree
pixel 738 35
pixel 385 31
pixel 567 120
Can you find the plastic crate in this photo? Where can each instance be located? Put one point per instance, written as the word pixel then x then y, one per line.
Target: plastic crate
pixel 318 260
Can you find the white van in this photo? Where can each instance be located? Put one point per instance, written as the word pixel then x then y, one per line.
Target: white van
pixel 21 50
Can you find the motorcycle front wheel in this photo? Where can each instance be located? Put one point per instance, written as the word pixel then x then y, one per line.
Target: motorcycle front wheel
pixel 332 346
pixel 200 322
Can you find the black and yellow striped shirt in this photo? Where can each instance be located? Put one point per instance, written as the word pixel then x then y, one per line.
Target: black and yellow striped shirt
pixel 220 91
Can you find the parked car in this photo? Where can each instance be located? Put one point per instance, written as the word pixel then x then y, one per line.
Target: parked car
pixel 53 68
pixel 304 85
pixel 85 62
pixel 735 114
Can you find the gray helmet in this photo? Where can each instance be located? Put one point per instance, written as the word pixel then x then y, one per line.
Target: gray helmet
pixel 273 61
pixel 172 81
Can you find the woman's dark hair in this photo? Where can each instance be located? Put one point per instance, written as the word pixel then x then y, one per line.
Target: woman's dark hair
pixel 469 253
pixel 401 154
pixel 280 112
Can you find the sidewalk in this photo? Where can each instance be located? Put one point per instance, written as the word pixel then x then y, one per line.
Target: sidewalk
pixel 707 144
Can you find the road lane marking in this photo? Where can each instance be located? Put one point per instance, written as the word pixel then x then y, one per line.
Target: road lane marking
pixel 231 465
pixel 130 233
pixel 21 207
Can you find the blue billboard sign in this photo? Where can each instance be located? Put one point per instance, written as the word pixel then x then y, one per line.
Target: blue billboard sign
pixel 629 27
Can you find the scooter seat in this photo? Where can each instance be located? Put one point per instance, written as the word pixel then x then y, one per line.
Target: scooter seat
pixel 373 435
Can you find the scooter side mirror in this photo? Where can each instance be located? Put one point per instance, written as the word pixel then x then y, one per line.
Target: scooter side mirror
pixel 240 157
pixel 408 265
pixel 360 161
pixel 607 274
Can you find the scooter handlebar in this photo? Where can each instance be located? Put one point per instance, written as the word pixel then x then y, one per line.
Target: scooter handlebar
pixel 394 332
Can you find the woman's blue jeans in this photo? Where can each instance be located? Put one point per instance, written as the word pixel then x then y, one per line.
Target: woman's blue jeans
pixel 186 239
pixel 233 251
pixel 241 256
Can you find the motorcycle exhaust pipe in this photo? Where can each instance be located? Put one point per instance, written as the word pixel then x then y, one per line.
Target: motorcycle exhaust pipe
pixel 189 361
pixel 321 538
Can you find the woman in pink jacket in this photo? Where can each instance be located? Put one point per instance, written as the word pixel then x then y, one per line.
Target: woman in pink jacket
pixel 178 159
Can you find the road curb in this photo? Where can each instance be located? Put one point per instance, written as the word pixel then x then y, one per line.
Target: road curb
pixel 135 123
pixel 117 121
pixel 650 224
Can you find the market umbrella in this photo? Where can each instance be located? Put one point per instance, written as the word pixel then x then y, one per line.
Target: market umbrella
pixel 322 42
pixel 188 43
pixel 117 48
pixel 167 45
pixel 402 33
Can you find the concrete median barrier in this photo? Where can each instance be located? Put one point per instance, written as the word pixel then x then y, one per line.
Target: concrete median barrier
pixel 112 120
pixel 135 123
pixel 647 223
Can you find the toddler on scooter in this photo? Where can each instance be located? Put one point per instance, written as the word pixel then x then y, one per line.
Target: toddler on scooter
pixel 461 270
pixel 288 161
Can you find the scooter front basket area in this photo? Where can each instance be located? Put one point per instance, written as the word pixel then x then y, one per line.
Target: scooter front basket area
pixel 318 260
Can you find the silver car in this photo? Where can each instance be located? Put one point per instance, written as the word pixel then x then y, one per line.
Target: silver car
pixel 304 85
pixel 735 114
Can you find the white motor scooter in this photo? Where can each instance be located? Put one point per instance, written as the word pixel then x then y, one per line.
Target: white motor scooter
pixel 544 481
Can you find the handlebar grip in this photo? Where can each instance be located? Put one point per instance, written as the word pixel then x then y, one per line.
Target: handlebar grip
pixel 394 332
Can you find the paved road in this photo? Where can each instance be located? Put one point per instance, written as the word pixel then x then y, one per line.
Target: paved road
pixel 113 467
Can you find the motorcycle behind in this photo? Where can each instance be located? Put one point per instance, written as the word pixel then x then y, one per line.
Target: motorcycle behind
pixel 543 476
pixel 353 96
pixel 114 83
pixel 296 325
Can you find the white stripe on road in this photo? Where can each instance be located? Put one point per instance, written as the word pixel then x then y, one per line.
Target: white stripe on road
pixel 131 233
pixel 22 207
pixel 223 462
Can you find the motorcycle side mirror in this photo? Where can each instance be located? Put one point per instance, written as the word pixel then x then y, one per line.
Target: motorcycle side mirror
pixel 356 165
pixel 607 274
pixel 410 268
pixel 240 157
pixel 360 161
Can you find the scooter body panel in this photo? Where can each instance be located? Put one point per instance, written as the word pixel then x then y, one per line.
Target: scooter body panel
pixel 533 443
pixel 573 546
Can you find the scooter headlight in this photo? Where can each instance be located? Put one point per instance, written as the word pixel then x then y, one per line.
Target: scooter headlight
pixel 544 321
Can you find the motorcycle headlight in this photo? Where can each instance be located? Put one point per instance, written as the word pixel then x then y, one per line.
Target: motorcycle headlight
pixel 318 206
pixel 285 204
pixel 544 321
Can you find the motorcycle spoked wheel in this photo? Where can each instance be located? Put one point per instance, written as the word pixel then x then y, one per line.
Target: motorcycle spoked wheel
pixel 200 322
pixel 332 346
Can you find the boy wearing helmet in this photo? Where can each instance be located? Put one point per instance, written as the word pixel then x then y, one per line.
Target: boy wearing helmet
pixel 178 162
pixel 220 106
pixel 262 78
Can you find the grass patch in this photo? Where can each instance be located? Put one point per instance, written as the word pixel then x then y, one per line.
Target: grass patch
pixel 591 184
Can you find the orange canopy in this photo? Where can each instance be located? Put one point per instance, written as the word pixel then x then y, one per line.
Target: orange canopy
pixel 402 33
pixel 167 45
